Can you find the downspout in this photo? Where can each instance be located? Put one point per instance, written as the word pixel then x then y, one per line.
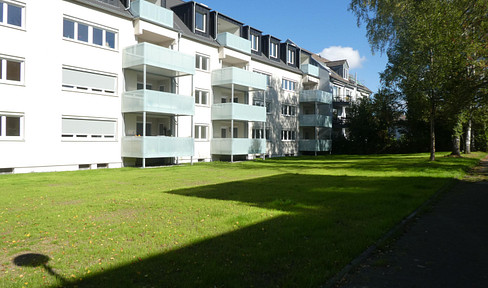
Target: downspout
pixel 128 7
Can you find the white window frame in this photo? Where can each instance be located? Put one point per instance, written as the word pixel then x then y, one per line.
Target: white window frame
pixel 258 133
pixel 291 56
pixel 268 76
pixel 288 135
pixel 199 58
pixel 3 126
pixel 288 110
pixel 198 132
pixel 70 137
pixel 198 97
pixel 19 4
pixel 289 85
pixel 91 26
pixel 204 22
pixel 3 71
pixel 273 52
pixel 254 42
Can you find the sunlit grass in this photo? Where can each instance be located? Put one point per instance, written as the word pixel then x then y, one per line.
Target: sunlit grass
pixel 279 222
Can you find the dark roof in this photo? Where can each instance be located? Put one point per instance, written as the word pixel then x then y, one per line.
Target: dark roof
pixel 336 63
pixel 335 76
pixel 115 6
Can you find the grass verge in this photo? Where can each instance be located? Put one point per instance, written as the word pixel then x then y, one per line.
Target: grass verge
pixel 281 222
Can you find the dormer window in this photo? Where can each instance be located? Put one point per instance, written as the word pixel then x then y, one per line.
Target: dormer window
pixel 200 22
pixel 291 56
pixel 273 50
pixel 254 42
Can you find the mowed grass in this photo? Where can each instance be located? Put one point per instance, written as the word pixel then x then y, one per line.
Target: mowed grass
pixel 288 222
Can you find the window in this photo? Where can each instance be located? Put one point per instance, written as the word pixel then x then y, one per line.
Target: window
pixel 254 42
pixel 288 110
pixel 288 84
pixel 140 86
pixel 11 70
pixel 258 134
pixel 89 81
pixel 273 50
pixel 11 126
pixel 201 97
pixel 80 129
pixel 201 132
pixel 11 14
pixel 200 21
pixel 291 56
pixel 202 62
pixel 288 135
pixel 268 107
pixel 258 102
pixel 87 33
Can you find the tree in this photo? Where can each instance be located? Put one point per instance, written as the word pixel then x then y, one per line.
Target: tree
pixel 433 48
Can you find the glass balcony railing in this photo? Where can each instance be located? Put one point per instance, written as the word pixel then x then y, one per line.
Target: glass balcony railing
pixel 173 62
pixel 314 145
pixel 156 147
pixel 235 42
pixel 237 146
pixel 152 13
pixel 316 96
pixel 315 120
pixel 242 79
pixel 310 70
pixel 157 102
pixel 236 111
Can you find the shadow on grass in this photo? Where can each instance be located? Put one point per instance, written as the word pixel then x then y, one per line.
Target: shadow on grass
pixel 328 220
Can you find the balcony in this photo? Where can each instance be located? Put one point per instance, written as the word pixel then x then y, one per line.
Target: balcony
pixel 234 42
pixel 315 120
pixel 157 102
pixel 315 145
pixel 316 96
pixel 152 13
pixel 237 146
pixel 242 79
pixel 156 147
pixel 310 70
pixel 159 60
pixel 235 111
pixel 342 100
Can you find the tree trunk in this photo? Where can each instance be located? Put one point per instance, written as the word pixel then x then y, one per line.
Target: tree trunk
pixel 456 143
pixel 432 132
pixel 468 138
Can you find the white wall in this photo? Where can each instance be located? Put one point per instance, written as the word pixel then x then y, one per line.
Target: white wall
pixel 42 99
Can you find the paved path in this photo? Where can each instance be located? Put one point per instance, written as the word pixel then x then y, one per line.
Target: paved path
pixel 446 246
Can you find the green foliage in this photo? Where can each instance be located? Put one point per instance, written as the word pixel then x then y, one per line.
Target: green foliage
pixel 436 51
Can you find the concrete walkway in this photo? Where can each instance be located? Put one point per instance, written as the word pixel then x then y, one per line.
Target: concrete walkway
pixel 445 246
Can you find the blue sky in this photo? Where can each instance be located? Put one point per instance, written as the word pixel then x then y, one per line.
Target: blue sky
pixel 314 25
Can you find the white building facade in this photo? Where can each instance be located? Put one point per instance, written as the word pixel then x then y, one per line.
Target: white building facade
pixel 87 84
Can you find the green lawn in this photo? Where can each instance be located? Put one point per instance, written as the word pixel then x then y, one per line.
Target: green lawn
pixel 281 222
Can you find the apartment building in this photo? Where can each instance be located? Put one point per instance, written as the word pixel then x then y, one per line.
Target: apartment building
pixel 346 90
pixel 88 84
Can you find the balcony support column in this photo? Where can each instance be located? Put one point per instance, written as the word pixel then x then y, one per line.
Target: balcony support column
pixel 177 126
pixel 316 128
pixel 264 125
pixel 232 124
pixel 192 125
pixel 144 120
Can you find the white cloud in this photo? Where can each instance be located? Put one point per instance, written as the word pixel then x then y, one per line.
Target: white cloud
pixel 339 53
